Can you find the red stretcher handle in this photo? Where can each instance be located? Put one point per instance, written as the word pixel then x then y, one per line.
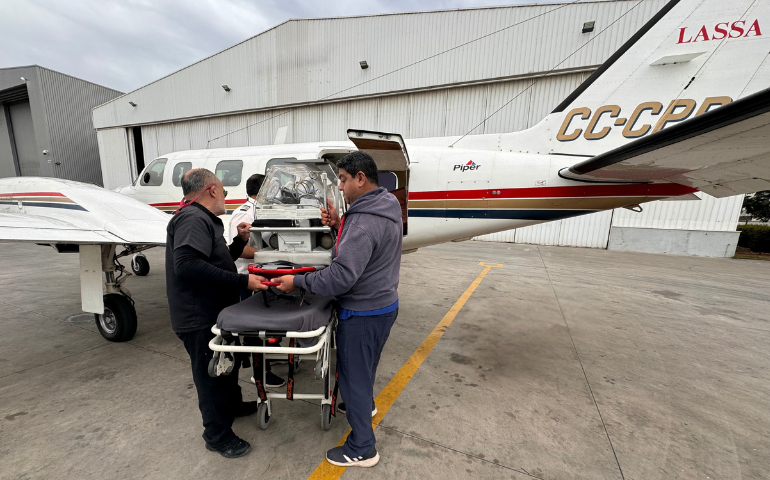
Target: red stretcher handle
pixel 270 284
pixel 279 272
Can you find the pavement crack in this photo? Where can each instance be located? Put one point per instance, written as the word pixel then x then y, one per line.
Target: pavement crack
pixel 517 470
pixel 590 390
pixel 54 361
pixel 155 351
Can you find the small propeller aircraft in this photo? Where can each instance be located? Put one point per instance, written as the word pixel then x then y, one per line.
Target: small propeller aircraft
pixel 683 106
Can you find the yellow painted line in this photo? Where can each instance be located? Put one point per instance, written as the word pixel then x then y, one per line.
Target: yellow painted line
pixel 389 394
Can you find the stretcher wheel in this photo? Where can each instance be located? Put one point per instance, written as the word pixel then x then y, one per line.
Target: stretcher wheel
pixel 213 365
pixel 118 322
pixel 326 417
pixel 140 265
pixel 263 416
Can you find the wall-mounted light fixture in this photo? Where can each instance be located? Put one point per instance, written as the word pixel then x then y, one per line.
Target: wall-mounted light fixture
pixel 132 103
pixel 588 27
pixel 227 89
pixel 364 65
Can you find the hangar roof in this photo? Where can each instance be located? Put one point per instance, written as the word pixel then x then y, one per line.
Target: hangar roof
pixel 317 60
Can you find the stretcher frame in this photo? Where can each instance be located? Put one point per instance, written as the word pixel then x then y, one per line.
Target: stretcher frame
pixel 320 354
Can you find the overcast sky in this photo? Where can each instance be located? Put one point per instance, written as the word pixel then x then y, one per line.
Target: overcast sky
pixel 129 43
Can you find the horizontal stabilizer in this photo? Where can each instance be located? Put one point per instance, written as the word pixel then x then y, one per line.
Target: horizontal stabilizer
pixel 723 152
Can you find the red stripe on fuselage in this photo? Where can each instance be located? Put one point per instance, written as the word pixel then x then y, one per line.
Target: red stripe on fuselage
pixel 578 191
pixel 33 194
pixel 176 204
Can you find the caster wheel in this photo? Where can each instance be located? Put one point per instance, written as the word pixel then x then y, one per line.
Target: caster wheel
pixel 140 265
pixel 213 365
pixel 118 322
pixel 263 416
pixel 326 417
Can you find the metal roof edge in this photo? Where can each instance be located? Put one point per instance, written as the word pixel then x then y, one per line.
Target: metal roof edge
pixel 78 78
pixel 352 17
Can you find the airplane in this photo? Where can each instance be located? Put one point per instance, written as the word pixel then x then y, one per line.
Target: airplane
pixel 683 106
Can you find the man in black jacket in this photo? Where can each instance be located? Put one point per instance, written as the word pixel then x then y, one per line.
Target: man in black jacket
pixel 201 280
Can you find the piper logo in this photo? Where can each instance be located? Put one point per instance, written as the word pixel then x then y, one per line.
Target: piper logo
pixel 468 166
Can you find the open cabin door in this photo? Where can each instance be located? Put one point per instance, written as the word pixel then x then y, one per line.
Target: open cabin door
pixel 389 152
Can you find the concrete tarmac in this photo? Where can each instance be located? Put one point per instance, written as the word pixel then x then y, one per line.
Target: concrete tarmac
pixel 565 363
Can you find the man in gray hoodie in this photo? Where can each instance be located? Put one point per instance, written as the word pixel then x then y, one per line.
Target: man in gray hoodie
pixel 364 278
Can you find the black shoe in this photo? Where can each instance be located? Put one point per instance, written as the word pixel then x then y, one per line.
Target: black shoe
pixel 341 408
pixel 274 381
pixel 245 409
pixel 233 448
pixel 336 456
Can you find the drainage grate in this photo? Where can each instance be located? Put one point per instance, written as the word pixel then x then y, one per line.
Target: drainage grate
pixel 81 318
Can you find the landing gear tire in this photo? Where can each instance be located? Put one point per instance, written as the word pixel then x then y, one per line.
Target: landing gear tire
pixel 263 416
pixel 326 417
pixel 118 322
pixel 140 265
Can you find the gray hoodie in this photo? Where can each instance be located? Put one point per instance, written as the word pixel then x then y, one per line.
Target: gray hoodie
pixel 364 273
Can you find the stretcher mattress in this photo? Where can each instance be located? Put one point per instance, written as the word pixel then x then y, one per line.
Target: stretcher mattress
pixel 285 313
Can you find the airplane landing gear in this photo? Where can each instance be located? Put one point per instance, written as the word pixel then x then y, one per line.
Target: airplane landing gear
pixel 118 322
pixel 140 265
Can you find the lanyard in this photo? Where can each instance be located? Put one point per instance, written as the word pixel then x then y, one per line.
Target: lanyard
pixel 339 234
pixel 185 203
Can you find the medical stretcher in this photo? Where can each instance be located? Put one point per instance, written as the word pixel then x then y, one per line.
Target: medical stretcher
pixel 255 328
pixel 297 243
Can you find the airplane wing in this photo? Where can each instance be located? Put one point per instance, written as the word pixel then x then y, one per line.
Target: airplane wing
pixel 49 210
pixel 42 229
pixel 723 152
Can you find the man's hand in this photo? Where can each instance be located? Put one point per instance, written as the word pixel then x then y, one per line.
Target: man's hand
pixel 243 231
pixel 255 281
pixel 330 216
pixel 286 283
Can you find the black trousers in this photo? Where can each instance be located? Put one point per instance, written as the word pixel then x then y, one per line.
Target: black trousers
pixel 218 397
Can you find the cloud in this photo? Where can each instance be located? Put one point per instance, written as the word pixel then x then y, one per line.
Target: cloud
pixel 129 43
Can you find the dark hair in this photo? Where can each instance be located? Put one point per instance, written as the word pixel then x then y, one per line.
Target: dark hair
pixel 196 180
pixel 254 183
pixel 360 162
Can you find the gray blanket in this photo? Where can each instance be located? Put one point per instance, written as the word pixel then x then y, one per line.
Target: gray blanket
pixel 284 313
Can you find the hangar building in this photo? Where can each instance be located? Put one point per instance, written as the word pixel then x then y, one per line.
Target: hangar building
pixel 45 124
pixel 319 77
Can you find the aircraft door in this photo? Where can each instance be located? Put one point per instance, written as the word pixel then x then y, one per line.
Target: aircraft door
pixel 389 152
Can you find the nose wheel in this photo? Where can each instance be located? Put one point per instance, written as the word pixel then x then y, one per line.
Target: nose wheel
pixel 118 322
pixel 140 265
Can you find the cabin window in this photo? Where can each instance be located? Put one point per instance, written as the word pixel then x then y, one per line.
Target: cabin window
pixel 179 170
pixel 153 175
pixel 229 172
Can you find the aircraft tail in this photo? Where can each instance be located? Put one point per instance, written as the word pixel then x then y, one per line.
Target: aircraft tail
pixel 692 57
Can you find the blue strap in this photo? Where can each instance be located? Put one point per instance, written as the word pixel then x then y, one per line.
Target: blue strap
pixel 345 313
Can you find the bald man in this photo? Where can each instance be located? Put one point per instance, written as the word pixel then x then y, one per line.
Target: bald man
pixel 201 280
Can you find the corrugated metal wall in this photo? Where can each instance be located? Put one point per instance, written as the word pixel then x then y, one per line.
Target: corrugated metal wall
pixel 68 105
pixel 309 60
pixel 113 144
pixel 425 114
pixel 709 213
